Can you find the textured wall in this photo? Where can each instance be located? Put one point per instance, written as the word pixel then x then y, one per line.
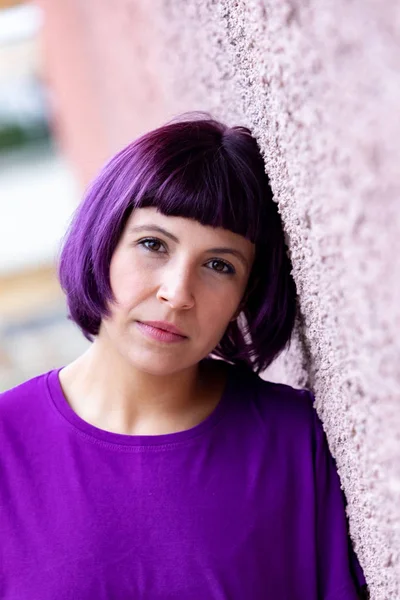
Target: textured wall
pixel 319 84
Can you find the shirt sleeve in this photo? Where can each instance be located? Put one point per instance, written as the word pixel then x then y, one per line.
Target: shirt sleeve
pixel 339 572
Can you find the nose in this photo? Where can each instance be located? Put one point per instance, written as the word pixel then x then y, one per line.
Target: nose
pixel 176 288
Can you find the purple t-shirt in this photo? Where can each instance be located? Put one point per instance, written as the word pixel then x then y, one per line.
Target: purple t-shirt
pixel 245 505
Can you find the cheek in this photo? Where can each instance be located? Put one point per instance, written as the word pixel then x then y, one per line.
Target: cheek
pixel 128 282
pixel 130 291
pixel 218 313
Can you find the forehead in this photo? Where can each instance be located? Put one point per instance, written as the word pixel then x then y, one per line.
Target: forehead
pixel 187 230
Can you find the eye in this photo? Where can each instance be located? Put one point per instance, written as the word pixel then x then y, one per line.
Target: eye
pixel 219 265
pixel 151 244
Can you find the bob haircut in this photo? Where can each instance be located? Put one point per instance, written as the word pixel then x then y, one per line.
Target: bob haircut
pixel 199 169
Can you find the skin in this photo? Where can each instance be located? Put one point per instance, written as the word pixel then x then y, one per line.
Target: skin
pixel 129 383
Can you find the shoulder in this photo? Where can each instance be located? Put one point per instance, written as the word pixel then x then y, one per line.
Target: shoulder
pixel 20 397
pixel 277 401
pixel 269 392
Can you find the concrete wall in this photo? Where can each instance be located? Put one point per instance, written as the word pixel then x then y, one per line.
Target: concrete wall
pixel 319 84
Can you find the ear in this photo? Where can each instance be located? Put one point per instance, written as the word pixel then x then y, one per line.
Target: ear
pixel 244 299
pixel 238 310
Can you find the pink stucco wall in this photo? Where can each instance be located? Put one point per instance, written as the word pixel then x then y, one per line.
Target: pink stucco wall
pixel 73 98
pixel 319 84
pixel 103 74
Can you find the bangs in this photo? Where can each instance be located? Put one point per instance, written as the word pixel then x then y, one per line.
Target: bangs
pixel 208 184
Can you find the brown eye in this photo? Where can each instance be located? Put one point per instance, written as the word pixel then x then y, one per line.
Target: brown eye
pixel 151 244
pixel 220 265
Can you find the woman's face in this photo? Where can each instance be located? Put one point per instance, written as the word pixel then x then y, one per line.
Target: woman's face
pixel 175 270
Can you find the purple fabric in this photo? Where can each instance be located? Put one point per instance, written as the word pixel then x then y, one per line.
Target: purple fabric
pixel 246 505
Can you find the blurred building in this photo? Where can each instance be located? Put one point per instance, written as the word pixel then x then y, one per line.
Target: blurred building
pixel 38 193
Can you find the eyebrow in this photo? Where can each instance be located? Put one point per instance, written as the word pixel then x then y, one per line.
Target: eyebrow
pixel 220 250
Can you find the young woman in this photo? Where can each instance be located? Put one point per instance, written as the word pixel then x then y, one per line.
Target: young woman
pixel 159 465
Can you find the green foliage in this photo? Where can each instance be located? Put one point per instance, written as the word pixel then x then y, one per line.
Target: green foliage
pixel 13 135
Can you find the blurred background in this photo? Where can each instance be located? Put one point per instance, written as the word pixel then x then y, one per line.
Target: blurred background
pixel 38 192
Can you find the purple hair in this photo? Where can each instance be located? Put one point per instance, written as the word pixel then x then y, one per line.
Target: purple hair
pixel 203 170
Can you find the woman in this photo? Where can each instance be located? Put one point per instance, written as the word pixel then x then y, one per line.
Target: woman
pixel 147 468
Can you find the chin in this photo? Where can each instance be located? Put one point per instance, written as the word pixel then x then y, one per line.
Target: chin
pixel 156 364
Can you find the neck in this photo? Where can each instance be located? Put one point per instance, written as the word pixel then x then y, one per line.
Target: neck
pixel 113 395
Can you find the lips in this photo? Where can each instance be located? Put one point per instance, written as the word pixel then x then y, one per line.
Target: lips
pixel 164 326
pixel 158 334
